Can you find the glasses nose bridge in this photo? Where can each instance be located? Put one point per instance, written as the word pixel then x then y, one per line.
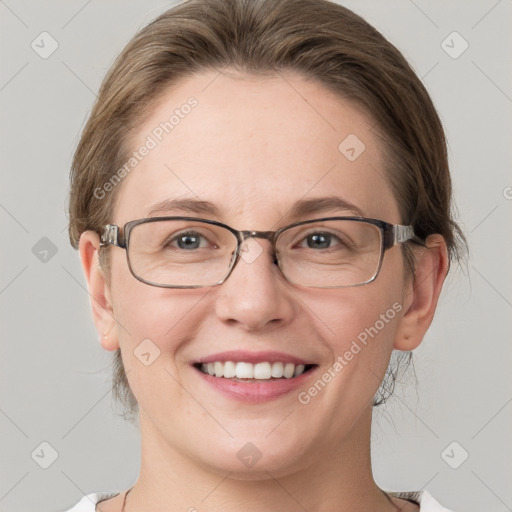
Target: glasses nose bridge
pixel 266 235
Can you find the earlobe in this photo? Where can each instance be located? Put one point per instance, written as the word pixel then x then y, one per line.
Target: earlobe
pixel 99 291
pixel 422 293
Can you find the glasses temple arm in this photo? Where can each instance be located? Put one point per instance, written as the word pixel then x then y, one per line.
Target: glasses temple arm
pixel 110 236
pixel 404 234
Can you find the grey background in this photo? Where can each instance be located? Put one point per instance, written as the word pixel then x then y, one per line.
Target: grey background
pixel 55 379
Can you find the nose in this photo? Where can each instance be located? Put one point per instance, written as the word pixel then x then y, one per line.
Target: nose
pixel 255 295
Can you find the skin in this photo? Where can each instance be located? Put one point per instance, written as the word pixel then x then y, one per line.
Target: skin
pixel 253 146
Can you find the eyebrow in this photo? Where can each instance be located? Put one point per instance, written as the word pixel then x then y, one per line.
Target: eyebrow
pixel 300 208
pixel 186 205
pixel 305 207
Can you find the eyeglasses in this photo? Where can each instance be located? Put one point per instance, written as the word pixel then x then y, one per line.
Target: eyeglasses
pixel 188 252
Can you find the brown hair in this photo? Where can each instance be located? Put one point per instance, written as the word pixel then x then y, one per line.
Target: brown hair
pixel 317 38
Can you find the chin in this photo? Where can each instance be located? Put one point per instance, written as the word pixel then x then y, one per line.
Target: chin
pixel 253 458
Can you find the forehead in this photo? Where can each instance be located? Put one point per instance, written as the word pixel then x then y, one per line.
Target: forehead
pixel 253 146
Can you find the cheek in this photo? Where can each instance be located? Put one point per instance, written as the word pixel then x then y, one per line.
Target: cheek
pixel 358 326
pixel 156 324
pixel 152 323
pixel 167 317
pixel 363 313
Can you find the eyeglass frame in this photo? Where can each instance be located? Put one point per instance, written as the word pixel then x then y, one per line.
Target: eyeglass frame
pixel 392 234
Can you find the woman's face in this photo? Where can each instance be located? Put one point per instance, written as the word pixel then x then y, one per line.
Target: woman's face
pixel 254 147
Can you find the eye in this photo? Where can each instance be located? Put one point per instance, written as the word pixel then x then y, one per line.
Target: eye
pixel 187 241
pixel 320 240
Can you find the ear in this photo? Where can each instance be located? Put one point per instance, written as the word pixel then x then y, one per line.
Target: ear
pixel 422 292
pixel 99 291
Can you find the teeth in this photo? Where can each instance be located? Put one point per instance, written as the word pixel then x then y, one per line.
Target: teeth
pixel 229 369
pixel 258 371
pixel 219 369
pixel 244 370
pixel 262 371
pixel 288 370
pixel 277 370
pixel 299 370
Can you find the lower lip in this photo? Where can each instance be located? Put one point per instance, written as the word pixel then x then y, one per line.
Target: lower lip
pixel 253 391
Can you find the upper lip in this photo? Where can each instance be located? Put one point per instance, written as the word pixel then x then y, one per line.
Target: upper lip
pixel 252 357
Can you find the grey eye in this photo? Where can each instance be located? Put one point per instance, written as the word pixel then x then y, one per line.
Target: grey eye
pixel 187 241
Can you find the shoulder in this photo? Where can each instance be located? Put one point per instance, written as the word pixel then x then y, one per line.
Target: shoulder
pixel 88 502
pixel 422 498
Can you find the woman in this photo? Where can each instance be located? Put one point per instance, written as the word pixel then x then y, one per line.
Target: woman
pixel 261 200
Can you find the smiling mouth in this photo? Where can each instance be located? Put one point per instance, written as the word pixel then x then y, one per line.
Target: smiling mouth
pixel 249 372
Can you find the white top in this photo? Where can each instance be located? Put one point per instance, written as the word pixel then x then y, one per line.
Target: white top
pixel 422 498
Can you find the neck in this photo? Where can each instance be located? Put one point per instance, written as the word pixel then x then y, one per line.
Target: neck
pixel 333 480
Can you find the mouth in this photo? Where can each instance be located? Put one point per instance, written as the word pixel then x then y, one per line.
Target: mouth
pixel 241 371
pixel 254 377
